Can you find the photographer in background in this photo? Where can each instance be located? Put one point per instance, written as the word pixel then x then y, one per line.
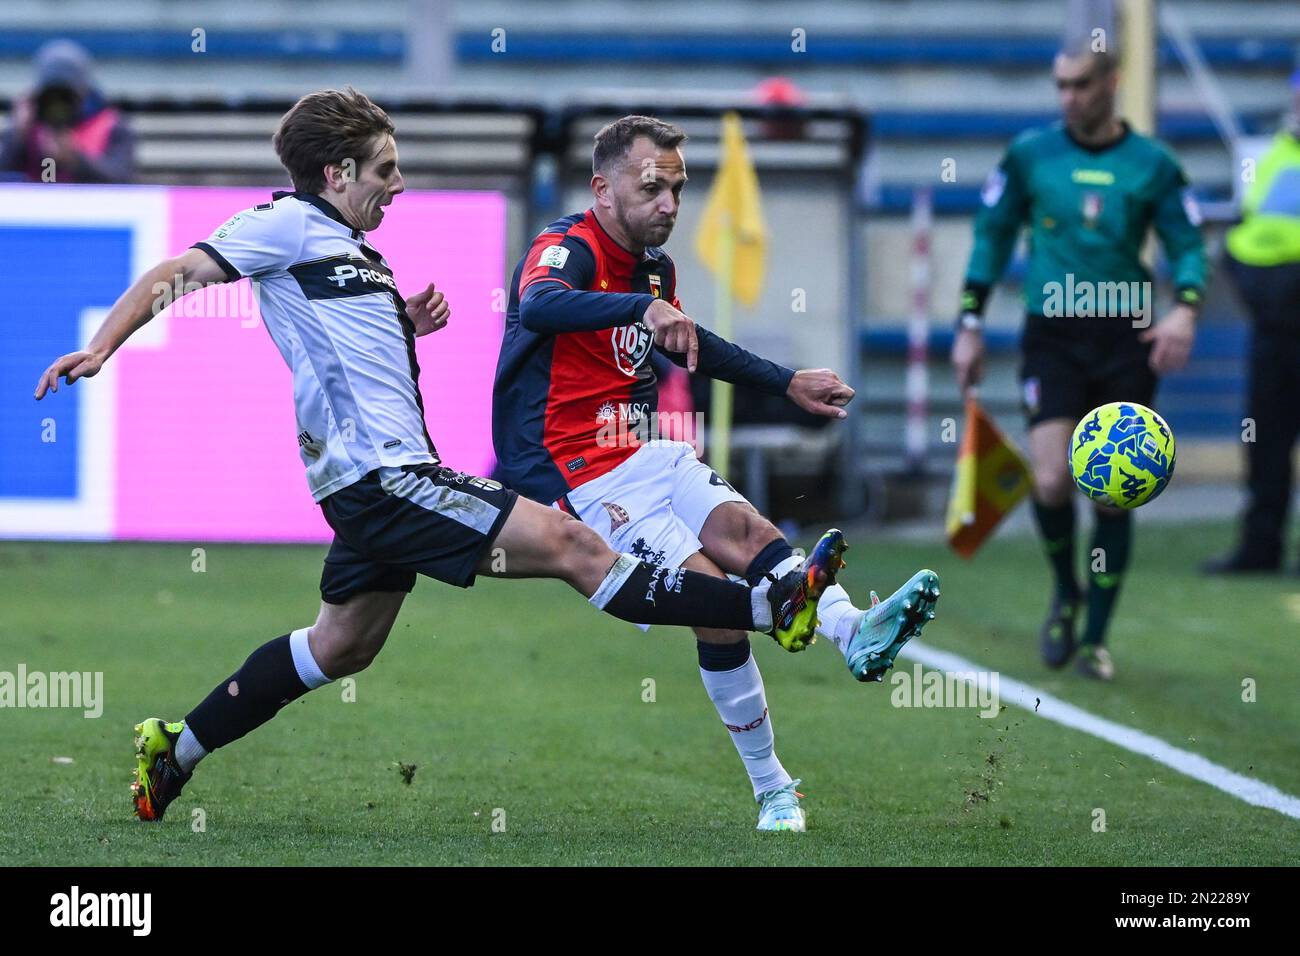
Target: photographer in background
pixel 66 119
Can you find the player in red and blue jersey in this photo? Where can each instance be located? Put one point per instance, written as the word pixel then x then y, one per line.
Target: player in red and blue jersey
pixel 575 400
pixel 332 307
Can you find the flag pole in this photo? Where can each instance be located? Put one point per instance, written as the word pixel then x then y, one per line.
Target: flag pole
pixel 720 405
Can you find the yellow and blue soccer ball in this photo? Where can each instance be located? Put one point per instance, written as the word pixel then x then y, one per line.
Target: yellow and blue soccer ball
pixel 1122 454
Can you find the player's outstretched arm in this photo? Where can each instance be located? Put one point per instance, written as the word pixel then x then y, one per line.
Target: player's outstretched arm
pixel 819 390
pixel 136 307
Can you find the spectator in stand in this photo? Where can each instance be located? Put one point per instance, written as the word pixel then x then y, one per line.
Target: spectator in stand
pixel 64 131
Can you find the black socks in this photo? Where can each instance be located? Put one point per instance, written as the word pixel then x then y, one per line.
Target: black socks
pixel 1056 522
pixel 249 698
pixel 1112 542
pixel 645 594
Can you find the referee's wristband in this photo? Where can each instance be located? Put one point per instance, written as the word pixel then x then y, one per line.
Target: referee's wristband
pixel 970 321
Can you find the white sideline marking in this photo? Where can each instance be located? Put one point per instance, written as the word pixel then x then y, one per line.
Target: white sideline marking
pixel 1254 792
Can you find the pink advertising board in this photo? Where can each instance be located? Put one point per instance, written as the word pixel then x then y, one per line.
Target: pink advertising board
pixel 202 433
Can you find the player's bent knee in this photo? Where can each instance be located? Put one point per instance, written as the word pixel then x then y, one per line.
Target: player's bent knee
pixel 1052 486
pixel 580 548
pixel 346 647
pixel 760 533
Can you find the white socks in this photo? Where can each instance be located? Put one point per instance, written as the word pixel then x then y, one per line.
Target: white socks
pixel 188 750
pixel 758 593
pixel 742 705
pixel 837 618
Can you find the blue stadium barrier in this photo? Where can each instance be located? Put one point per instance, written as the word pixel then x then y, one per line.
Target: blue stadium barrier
pixel 629 47
pixel 1031 52
pixel 1206 399
pixel 893 341
pixel 385 46
pixel 1179 127
pixel 896 198
pixel 1215 341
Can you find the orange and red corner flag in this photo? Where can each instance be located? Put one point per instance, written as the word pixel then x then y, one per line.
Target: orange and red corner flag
pixel 991 478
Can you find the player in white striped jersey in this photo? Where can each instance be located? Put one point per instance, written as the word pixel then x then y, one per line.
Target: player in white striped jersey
pixel 334 311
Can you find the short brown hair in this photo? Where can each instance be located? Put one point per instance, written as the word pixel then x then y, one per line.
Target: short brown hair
pixel 327 127
pixel 614 140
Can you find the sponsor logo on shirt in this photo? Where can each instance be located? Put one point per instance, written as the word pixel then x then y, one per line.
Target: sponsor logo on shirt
pixel 1093 177
pixel 347 272
pixel 631 346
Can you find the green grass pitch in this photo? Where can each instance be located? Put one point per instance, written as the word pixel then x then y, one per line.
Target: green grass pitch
pixel 521 706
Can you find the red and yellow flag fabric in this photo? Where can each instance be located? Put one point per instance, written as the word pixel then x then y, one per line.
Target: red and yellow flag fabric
pixel 991 478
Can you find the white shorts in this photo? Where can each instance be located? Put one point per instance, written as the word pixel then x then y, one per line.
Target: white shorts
pixel 654 504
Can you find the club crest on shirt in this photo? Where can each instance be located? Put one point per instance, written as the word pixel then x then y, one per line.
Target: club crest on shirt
pixel 618 515
pixel 631 346
pixel 656 286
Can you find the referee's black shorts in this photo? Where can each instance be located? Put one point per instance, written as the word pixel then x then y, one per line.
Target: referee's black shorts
pixel 1069 366
pixel 418 519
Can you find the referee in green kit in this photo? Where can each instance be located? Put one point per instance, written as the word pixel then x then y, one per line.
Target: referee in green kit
pixel 1089 188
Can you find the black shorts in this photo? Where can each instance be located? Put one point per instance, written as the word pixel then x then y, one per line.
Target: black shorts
pixel 418 519
pixel 1069 366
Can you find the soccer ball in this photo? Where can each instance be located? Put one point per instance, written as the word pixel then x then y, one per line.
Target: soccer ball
pixel 1122 454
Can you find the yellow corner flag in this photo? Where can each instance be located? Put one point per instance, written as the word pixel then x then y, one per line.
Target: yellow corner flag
pixel 732 243
pixel 732 237
pixel 991 478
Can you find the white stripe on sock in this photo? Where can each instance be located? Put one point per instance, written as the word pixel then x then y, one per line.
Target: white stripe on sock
pixel 614 580
pixel 309 671
pixel 786 566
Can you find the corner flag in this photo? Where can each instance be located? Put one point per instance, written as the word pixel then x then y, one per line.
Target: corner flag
pixel 733 216
pixel 991 478
pixel 732 244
